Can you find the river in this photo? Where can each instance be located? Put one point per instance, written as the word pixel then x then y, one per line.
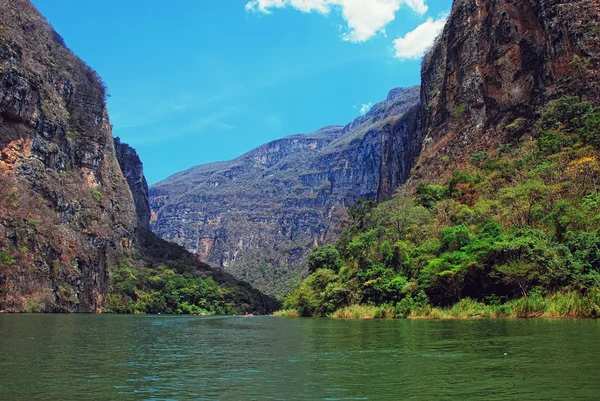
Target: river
pixel 104 357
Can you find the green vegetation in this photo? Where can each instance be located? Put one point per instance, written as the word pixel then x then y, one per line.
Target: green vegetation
pixel 166 279
pixel 5 259
pixel 515 124
pixel 97 195
pixel 515 234
pixel 459 111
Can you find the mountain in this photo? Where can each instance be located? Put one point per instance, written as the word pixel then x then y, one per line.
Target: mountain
pixel 74 210
pixel 258 216
pixel 485 82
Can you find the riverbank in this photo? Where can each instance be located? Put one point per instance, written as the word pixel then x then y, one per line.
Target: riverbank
pixel 559 305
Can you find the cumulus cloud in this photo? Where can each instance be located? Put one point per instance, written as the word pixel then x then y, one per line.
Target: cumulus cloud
pixel 414 44
pixel 364 109
pixel 365 18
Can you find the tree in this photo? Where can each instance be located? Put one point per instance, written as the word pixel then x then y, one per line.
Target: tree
pixel 427 194
pixel 526 203
pixel 517 272
pixel 402 216
pixel 324 257
pixel 359 211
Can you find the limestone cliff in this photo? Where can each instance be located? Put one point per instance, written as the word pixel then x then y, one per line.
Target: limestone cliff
pixel 133 170
pixel 485 81
pixel 65 207
pixel 494 67
pixel 259 215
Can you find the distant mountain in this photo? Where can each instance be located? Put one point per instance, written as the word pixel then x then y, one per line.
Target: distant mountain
pixel 258 216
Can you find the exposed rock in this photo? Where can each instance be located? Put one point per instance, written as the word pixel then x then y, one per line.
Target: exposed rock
pixel 65 207
pixel 70 212
pixel 259 215
pixel 496 65
pixel 133 170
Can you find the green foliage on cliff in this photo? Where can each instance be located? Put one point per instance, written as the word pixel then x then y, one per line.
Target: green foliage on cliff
pixel 514 234
pixel 166 279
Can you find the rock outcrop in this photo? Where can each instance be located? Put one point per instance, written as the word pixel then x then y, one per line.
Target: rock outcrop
pixel 259 215
pixel 494 67
pixel 133 170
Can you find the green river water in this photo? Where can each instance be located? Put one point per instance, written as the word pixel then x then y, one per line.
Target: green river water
pixel 104 357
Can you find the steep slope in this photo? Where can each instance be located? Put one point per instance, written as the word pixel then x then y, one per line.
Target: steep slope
pixel 495 66
pixel 257 216
pixel 156 276
pixel 133 170
pixel 74 210
pixel 65 207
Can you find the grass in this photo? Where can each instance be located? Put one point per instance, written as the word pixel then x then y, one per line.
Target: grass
pixel 558 305
pixel 287 313
pixel 365 312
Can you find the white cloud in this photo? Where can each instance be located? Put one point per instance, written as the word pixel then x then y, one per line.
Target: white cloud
pixel 414 44
pixel 365 18
pixel 364 109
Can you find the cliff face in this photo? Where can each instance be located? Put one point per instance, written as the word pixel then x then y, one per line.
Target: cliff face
pixel 496 64
pixel 133 170
pixel 259 215
pixel 65 207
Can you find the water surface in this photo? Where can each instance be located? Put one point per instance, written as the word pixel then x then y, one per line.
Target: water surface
pixel 103 357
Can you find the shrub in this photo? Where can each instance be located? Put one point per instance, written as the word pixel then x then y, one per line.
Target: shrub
pixel 5 259
pixel 324 257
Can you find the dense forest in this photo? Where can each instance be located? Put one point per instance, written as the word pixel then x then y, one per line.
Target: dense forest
pixel 514 233
pixel 167 279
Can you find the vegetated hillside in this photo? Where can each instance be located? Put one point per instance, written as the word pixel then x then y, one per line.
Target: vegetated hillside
pixel 515 233
pixel 500 214
pixel 156 276
pixel 259 215
pixel 69 227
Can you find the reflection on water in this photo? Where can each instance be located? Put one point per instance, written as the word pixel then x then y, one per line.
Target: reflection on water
pixel 74 357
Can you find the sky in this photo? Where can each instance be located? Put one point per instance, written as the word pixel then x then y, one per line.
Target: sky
pixel 197 81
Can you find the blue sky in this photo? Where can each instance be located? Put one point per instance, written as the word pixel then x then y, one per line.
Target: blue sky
pixel 193 82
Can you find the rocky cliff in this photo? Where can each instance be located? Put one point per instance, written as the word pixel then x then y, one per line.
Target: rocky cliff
pixel 74 210
pixel 259 215
pixel 494 67
pixel 133 170
pixel 65 208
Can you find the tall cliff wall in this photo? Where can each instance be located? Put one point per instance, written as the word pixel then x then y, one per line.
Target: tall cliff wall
pixel 65 207
pixel 494 67
pixel 74 210
pixel 133 170
pixel 259 215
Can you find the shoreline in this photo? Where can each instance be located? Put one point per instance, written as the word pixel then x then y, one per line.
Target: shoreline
pixel 556 306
